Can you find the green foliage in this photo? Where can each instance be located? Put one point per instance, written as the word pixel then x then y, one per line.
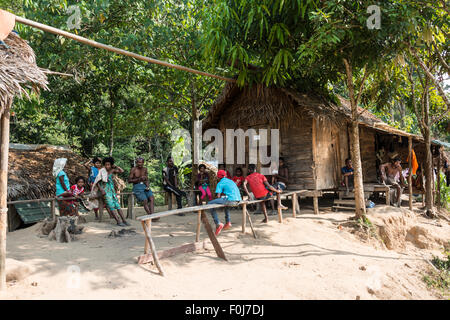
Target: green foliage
pixel 440 278
pixel 445 191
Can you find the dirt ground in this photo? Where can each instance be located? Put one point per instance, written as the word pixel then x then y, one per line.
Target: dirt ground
pixel 310 257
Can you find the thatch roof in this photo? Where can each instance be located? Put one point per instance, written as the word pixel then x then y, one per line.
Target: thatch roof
pixel 30 171
pixel 267 105
pixel 18 71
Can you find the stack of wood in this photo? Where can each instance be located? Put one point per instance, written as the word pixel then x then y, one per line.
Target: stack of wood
pixel 61 229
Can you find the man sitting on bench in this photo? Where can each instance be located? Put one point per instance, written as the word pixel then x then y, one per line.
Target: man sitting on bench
pixel 170 183
pixel 391 173
pixel 347 175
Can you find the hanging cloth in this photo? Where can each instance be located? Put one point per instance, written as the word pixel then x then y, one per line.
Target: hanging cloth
pixel 415 164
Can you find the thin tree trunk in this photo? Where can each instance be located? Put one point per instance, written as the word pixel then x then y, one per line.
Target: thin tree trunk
pixel 111 125
pixel 360 207
pixel 428 156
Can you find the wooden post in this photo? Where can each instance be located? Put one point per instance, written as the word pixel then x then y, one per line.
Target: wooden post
pixel 410 172
pixel 199 224
pixel 53 208
pixel 212 237
pixel 294 205
pixel 130 210
pixel 280 215
pixel 316 202
pixel 388 195
pixel 4 133
pixel 244 217
pixel 423 184
pixel 147 225
pixel 314 150
pixel 251 223
pixel 169 200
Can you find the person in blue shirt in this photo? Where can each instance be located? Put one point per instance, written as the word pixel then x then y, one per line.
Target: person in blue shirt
pixel 93 172
pixel 347 175
pixel 228 194
pixel 66 207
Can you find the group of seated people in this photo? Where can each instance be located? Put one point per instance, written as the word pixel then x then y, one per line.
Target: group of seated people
pixel 391 173
pixel 100 181
pixel 229 190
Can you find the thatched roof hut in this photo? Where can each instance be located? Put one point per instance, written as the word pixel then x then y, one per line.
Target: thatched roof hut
pixel 18 71
pixel 314 132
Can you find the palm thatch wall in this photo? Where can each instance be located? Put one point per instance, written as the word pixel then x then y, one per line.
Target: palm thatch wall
pixel 18 71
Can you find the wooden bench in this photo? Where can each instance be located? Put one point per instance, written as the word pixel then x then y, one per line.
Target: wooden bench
pixel 150 253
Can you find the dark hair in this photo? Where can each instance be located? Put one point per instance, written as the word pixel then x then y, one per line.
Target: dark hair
pixel 238 169
pixel 252 166
pixel 396 159
pixel 80 178
pixel 108 159
pixel 168 158
pixel 221 164
pixel 347 160
pixel 281 158
pixel 96 159
pixel 202 166
pixel 140 159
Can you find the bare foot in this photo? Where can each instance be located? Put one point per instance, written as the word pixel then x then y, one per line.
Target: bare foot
pixel 265 221
pixel 283 207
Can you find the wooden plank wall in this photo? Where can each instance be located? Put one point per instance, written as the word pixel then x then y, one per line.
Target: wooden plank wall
pixel 296 148
pixel 368 154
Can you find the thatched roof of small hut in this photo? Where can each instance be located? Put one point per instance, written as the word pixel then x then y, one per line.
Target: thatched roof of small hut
pixel 18 71
pixel 30 171
pixel 268 105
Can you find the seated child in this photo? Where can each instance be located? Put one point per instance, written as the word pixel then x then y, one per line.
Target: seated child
pixel 203 182
pixel 77 190
pixel 239 177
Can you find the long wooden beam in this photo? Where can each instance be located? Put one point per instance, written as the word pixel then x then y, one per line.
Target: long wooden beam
pixel 96 44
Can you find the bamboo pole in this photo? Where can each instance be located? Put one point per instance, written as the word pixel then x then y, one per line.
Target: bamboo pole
pixel 114 49
pixel 4 132
pixel 410 172
pixel 438 191
pixel 199 225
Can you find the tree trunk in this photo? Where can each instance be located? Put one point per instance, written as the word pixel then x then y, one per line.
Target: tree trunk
pixel 111 128
pixel 428 170
pixel 428 174
pixel 355 152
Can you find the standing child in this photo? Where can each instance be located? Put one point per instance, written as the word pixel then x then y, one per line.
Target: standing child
pixel 93 172
pixel 77 190
pixel 203 182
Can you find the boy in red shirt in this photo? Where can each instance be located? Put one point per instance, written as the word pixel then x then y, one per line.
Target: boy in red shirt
pixel 260 188
pixel 239 177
